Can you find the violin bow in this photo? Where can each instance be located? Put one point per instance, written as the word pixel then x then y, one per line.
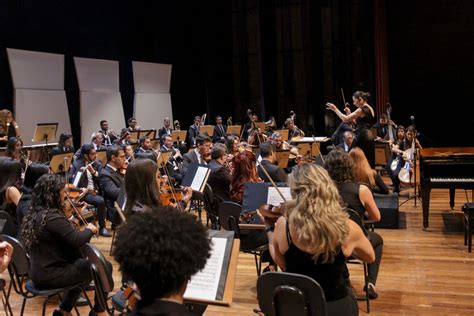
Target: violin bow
pixel 77 213
pixel 343 97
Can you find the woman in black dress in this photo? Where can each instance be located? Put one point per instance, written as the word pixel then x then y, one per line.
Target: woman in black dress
pixel 364 118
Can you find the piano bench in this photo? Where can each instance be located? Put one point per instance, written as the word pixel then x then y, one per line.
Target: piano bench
pixel 468 224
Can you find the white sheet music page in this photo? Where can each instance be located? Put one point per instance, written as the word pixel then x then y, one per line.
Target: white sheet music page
pixel 199 178
pixel 77 178
pixel 274 198
pixel 204 284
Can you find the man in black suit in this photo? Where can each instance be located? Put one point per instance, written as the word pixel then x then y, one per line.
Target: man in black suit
pixel 166 129
pixel 111 180
pixel 88 169
pixel 108 136
pixel 173 165
pixel 132 126
pixel 268 154
pixel 201 154
pixel 220 131
pixel 347 143
pixel 219 178
pixel 193 132
pixel 97 140
pixel 145 145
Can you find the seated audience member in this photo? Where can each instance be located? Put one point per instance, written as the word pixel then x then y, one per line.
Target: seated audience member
pixel 268 154
pixel 161 282
pixel 315 236
pixel 359 198
pixel 365 174
pixel 54 245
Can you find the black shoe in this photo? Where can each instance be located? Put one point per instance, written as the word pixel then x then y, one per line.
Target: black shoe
pixel 104 232
pixel 81 301
pixel 372 293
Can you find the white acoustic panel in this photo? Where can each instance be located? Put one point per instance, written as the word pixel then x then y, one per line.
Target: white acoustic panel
pixel 98 106
pixel 151 78
pixel 36 70
pixel 152 108
pixel 40 106
pixel 97 74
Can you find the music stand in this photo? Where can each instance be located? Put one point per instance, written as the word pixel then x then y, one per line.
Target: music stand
pixel 178 136
pixel 207 129
pixel 260 125
pixel 234 129
pixel 150 133
pixel 283 132
pixel 282 158
pixel 45 132
pixel 155 144
pixel 102 157
pixel 61 163
pixel 134 136
pixel 163 157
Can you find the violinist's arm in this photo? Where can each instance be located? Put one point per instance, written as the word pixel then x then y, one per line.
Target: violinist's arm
pixel 357 245
pixel 277 243
pixel 367 199
pixel 59 225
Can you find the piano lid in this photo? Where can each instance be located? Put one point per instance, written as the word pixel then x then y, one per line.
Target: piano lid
pixel 447 151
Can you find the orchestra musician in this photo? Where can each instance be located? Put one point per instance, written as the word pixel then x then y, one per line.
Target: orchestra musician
pixel 64 145
pixel 129 153
pixel 8 127
pixel 293 130
pixel 247 128
pixel 175 161
pixel 315 236
pixel 347 142
pixel 161 283
pixel 201 154
pixel 14 147
pixel 193 131
pixel 10 183
pixel 364 174
pixel 363 117
pixel 166 129
pixel 88 169
pixel 109 135
pixel 268 154
pixel 338 136
pixel 383 126
pixel 54 244
pixel 220 177
pixel 220 131
pixel 132 126
pixel 358 197
pixel 144 145
pixel 112 180
pixel 97 140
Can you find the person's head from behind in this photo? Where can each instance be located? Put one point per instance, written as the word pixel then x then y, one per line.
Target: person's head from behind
pixel 362 170
pixel 219 153
pixel 141 184
pixel 348 138
pixel 268 151
pixel 116 156
pixel 33 173
pixel 244 166
pixel 160 251
pixel 315 214
pixel 10 174
pixel 339 165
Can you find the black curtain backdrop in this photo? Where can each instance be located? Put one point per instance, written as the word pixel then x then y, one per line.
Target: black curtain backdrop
pixel 271 56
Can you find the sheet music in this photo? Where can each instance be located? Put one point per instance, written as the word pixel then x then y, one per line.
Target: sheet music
pixel 204 284
pixel 77 178
pixel 199 178
pixel 274 198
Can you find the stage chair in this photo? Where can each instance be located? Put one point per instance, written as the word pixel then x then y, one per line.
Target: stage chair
pixel 211 207
pixel 468 224
pixel 281 293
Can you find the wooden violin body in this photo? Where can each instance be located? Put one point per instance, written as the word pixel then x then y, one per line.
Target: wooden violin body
pixel 271 213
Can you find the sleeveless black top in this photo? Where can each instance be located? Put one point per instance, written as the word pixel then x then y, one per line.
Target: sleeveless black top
pixel 366 121
pixel 349 192
pixel 328 275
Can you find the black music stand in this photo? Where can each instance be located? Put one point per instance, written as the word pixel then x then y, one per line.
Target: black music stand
pixel 45 132
pixel 416 195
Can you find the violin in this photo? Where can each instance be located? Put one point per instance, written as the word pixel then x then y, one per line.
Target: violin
pixel 74 192
pixel 272 213
pixel 170 195
pixel 132 297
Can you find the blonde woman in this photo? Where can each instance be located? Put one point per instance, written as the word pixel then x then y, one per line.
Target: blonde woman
pixel 364 173
pixel 315 236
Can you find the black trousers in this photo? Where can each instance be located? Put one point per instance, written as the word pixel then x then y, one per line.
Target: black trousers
pixel 99 202
pixel 78 272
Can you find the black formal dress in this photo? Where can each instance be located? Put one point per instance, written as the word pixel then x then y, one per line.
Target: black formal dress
pixel 363 135
pixel 220 132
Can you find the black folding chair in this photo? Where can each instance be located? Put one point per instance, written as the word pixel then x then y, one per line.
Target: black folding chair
pixel 281 293
pixel 212 208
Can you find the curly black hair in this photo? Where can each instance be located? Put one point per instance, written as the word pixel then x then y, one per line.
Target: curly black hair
pixel 160 251
pixel 46 198
pixel 339 165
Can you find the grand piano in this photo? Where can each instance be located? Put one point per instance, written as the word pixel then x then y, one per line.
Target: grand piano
pixel 449 168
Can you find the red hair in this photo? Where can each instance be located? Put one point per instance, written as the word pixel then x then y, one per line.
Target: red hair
pixel 244 171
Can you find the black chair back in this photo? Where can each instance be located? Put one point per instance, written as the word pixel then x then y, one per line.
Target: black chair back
pixel 281 293
pixel 355 217
pixel 10 228
pixel 20 260
pixel 229 215
pixel 212 207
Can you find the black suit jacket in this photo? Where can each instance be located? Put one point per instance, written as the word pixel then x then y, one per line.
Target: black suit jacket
pixel 219 180
pixel 188 159
pixel 276 173
pixel 193 132
pixel 111 183
pixel 341 145
pixel 162 131
pixel 218 133
pixel 76 166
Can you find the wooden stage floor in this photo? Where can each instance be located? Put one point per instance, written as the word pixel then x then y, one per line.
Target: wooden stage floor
pixel 422 272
